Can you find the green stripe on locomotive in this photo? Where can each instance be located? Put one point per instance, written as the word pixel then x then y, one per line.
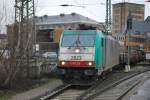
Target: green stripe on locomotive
pixel 99 50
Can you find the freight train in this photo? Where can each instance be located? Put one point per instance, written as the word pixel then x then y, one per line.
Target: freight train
pixel 86 54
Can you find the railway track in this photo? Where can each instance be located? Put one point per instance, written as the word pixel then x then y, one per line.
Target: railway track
pixel 65 92
pixel 73 92
pixel 103 89
pixel 55 92
pixel 70 94
pixel 115 90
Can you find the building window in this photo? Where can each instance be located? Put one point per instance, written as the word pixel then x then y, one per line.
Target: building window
pixel 52 34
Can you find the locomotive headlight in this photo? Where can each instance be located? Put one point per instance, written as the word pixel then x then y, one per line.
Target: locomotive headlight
pixel 90 63
pixel 63 63
pixel 77 50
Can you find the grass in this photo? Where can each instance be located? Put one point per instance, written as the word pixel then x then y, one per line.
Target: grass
pixel 7 94
pixel 43 83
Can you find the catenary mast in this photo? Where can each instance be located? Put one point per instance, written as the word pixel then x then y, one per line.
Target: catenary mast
pixel 25 26
pixel 108 17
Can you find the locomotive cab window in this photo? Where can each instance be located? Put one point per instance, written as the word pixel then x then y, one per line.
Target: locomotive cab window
pixel 83 40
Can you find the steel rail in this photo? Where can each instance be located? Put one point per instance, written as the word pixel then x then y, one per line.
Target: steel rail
pixel 110 86
pixel 54 93
pixel 128 90
pixel 89 90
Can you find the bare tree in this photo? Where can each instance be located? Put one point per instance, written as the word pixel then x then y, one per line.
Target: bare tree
pixel 19 47
pixel 9 65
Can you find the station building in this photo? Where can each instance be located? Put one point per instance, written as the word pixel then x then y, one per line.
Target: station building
pixel 139 36
pixel 49 28
pixel 120 13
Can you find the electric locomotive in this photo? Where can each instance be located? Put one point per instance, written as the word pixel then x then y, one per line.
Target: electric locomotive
pixel 85 54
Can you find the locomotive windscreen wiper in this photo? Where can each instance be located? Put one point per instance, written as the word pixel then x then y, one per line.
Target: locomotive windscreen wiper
pixel 77 42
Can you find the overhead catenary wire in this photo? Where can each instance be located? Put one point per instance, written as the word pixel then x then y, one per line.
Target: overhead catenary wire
pixel 48 6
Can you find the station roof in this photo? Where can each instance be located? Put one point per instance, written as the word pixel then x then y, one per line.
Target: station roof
pixel 127 3
pixel 64 18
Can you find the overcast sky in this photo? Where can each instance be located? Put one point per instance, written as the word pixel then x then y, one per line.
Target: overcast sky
pixel 91 8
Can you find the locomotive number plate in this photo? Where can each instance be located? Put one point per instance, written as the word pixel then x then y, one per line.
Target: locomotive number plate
pixel 76 57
